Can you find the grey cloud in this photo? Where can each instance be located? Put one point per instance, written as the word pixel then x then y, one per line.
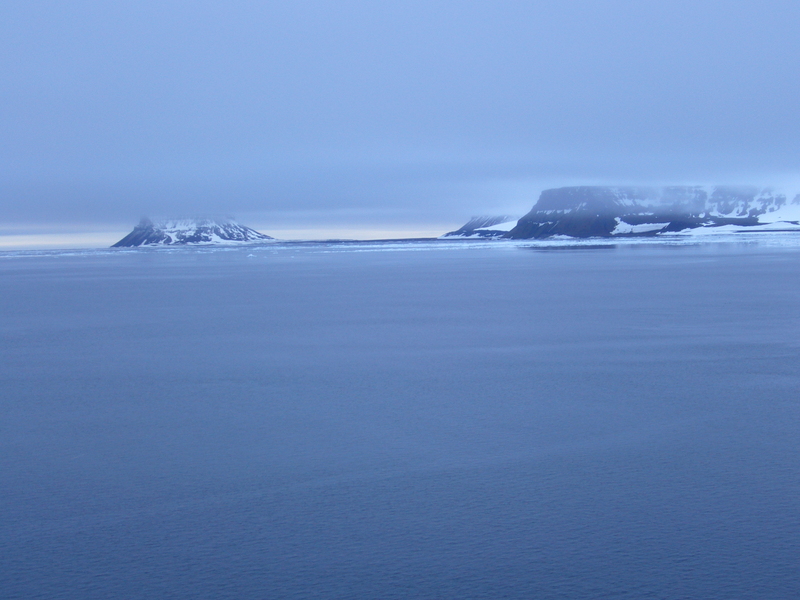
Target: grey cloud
pixel 111 110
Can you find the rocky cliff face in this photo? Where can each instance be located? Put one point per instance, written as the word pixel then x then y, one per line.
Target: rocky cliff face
pixel 595 211
pixel 189 231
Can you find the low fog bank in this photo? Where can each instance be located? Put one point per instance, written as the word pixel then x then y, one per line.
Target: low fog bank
pixel 353 204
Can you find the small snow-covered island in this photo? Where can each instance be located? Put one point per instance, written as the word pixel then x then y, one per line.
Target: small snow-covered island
pixel 604 211
pixel 484 227
pixel 173 232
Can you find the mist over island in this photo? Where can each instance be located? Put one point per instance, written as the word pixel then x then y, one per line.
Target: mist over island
pixel 568 212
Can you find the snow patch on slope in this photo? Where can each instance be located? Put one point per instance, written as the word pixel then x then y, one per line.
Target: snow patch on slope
pixel 624 228
pixel 483 227
pixel 507 226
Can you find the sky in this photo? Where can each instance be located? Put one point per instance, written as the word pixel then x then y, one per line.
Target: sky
pixel 378 119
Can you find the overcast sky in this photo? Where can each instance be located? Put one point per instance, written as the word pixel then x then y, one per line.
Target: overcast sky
pixel 368 114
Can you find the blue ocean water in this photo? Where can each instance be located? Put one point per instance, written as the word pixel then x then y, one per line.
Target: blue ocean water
pixel 401 421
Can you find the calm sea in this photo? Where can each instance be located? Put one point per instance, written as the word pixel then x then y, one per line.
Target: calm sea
pixel 401 421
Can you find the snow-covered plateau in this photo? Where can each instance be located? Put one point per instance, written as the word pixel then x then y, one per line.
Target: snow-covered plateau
pixel 600 211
